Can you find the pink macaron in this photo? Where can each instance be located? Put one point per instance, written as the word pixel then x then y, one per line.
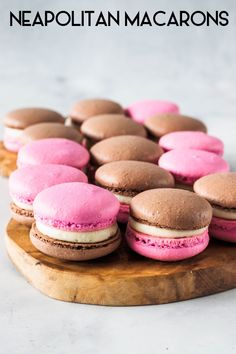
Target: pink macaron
pixel 168 224
pixel 53 151
pixel 192 140
pixel 26 182
pixel 188 165
pixel 75 221
pixel 141 110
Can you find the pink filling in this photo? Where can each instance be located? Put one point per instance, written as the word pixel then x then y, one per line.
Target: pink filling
pixel 70 226
pixel 166 249
pixel 223 229
pixel 123 213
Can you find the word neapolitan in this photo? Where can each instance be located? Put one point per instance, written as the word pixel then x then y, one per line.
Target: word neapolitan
pixel 89 18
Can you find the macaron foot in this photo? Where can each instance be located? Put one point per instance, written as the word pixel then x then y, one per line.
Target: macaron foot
pixel 23 216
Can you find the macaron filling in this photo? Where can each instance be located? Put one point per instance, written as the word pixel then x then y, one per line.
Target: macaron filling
pixel 156 231
pixel 23 204
pixel 224 213
pixel 12 139
pixel 77 236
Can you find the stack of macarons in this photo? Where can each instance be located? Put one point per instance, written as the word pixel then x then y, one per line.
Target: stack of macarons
pixel 77 177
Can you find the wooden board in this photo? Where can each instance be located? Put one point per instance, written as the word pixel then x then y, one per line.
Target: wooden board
pixel 123 278
pixel 7 161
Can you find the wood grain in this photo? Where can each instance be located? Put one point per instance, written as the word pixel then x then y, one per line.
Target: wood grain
pixel 123 278
pixel 7 161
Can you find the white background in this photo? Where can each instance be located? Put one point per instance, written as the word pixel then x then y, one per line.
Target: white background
pixel 55 66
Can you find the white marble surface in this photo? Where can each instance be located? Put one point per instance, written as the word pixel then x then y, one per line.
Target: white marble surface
pixel 53 67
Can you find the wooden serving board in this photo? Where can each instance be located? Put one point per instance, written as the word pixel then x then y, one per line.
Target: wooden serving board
pixel 7 161
pixel 123 278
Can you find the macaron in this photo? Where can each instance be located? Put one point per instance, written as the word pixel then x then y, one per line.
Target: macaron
pixel 192 140
pixel 220 191
pixel 106 126
pixel 141 110
pixel 75 221
pixel 50 130
pixel 188 165
pixel 53 151
pixel 126 147
pixel 168 224
pixel 162 124
pixel 25 183
pixel 87 108
pixel 125 179
pixel 19 119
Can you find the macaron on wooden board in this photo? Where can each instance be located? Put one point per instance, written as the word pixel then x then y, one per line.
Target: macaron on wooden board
pixel 7 161
pixel 123 278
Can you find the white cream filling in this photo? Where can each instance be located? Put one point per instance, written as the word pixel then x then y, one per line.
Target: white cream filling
pixel 77 236
pixel 224 214
pixel 123 198
pixel 13 132
pixel 69 122
pixel 162 232
pixel 23 205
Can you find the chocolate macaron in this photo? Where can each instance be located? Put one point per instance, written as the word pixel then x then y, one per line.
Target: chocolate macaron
pixel 106 126
pixel 162 124
pixel 220 190
pixel 168 224
pixel 87 108
pixel 75 221
pixel 125 147
pixel 125 179
pixel 50 130
pixel 16 121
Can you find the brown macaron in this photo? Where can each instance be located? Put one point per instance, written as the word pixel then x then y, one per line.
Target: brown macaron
pixel 168 224
pixel 24 117
pixel 16 121
pixel 125 147
pixel 87 108
pixel 105 126
pixel 50 130
pixel 220 190
pixel 125 179
pixel 162 124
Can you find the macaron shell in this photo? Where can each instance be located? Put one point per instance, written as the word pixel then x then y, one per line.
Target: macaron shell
pixel 171 208
pixel 25 183
pixel 166 249
pixel 76 206
pixel 223 229
pixel 105 126
pixel 218 188
pixel 126 147
pixel 162 124
pixel 73 251
pixel 50 130
pixel 192 164
pixel 53 151
pixel 24 117
pixel 133 176
pixel 141 110
pixel 87 108
pixel 192 140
